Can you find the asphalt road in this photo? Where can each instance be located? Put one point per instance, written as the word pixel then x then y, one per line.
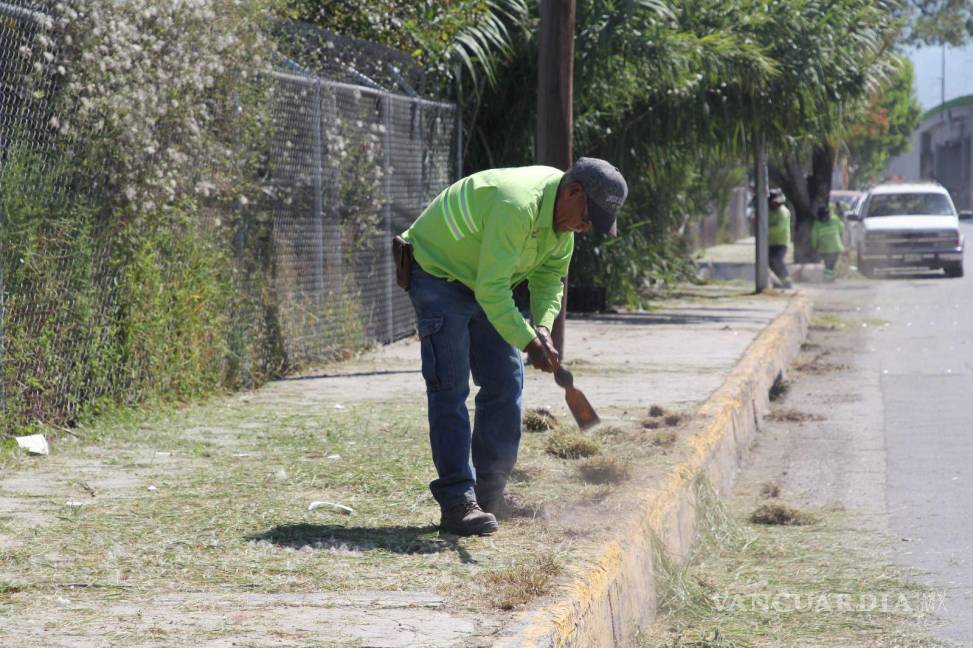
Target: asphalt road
pixel 888 370
pixel 925 362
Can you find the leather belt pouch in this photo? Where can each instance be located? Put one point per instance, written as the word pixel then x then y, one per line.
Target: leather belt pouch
pixel 402 253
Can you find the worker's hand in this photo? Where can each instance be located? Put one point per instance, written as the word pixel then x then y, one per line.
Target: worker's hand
pixel 541 352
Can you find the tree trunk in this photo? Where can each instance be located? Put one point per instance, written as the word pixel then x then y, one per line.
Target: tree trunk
pixel 805 192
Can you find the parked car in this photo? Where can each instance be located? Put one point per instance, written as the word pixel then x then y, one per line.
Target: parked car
pixel 909 225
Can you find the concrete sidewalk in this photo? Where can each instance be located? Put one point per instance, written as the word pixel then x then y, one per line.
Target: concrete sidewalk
pixel 735 261
pixel 707 353
pixel 676 357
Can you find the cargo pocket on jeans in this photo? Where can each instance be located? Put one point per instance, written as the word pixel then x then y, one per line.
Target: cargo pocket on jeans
pixel 433 351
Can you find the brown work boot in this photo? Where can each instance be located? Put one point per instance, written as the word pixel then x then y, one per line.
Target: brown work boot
pixel 466 519
pixel 507 506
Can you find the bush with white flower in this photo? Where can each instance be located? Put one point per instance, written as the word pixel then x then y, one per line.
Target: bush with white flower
pixel 134 159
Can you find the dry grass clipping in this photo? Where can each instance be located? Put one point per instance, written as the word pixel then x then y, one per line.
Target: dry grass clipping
pixel 539 420
pixel 521 584
pixel 604 470
pixel 571 444
pixel 780 515
pixel 770 490
pixel 793 416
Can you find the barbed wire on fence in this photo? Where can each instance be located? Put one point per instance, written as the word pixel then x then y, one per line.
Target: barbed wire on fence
pixel 306 263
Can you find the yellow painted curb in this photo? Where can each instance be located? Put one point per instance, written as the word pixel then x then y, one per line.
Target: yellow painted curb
pixel 616 594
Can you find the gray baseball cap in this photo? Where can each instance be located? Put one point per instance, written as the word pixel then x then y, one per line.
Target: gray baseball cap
pixel 605 189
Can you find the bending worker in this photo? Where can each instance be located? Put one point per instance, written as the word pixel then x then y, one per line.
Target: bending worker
pixel 778 235
pixel 826 239
pixel 472 244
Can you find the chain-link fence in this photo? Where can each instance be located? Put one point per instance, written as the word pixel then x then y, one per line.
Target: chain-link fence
pixel 296 277
pixel 357 165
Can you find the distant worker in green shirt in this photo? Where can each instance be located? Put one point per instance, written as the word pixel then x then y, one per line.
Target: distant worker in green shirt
pixel 826 239
pixel 778 235
pixel 474 242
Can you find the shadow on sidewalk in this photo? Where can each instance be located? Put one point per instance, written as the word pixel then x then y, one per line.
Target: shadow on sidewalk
pixel 350 375
pixel 396 539
pixel 731 314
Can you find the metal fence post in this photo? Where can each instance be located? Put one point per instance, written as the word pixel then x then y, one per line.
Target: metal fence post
pixel 384 248
pixel 760 199
pixel 317 222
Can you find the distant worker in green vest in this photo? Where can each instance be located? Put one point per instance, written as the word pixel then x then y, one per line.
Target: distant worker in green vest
pixel 778 235
pixel 475 241
pixel 826 239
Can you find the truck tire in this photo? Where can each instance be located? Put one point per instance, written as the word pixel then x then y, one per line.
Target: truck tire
pixel 953 270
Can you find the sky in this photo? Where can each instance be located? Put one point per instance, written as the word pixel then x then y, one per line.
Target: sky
pixel 928 65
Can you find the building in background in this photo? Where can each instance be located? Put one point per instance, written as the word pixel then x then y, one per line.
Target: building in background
pixel 942 148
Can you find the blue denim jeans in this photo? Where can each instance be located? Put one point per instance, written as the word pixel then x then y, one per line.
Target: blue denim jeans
pixel 457 338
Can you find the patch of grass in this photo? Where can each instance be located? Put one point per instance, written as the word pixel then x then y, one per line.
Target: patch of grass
pixel 780 515
pixel 820 585
pixel 656 410
pixel 828 321
pixel 604 470
pixel 517 585
pixel 793 416
pixel 673 420
pixel 567 443
pixel 539 420
pixel 651 424
pixel 664 439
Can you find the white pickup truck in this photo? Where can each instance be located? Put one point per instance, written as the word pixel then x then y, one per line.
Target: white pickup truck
pixel 912 225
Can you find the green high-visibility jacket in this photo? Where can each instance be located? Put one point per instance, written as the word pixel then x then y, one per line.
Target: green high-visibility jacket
pixel 492 230
pixel 826 235
pixel 779 226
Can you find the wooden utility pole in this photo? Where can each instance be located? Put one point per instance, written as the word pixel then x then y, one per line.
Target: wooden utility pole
pixel 555 83
pixel 761 195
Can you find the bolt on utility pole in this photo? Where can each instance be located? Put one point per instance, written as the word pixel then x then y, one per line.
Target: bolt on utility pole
pixel 760 202
pixel 555 126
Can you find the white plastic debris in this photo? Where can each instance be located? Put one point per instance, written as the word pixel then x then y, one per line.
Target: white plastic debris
pixel 74 503
pixel 34 444
pixel 152 489
pixel 333 457
pixel 339 406
pixel 340 508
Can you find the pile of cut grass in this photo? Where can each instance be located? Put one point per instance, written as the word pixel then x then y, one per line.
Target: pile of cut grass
pixel 567 443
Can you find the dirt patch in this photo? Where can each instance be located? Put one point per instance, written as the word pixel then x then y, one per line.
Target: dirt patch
pixel 604 470
pixel 540 419
pixel 571 444
pixel 793 416
pixel 770 490
pixel 525 473
pixel 780 515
